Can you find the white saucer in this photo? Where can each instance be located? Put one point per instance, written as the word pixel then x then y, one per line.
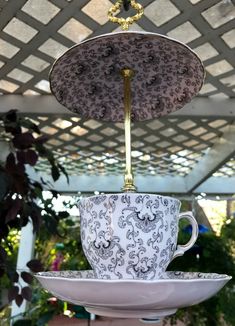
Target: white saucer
pixel 128 297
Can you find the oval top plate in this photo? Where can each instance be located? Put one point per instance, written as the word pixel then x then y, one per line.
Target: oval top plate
pixel 86 79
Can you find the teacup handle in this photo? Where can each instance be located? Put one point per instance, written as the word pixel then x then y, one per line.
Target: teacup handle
pixel 180 249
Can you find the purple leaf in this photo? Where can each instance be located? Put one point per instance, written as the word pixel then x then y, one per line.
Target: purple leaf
pixel 35 265
pixel 23 141
pixel 15 277
pixel 3 254
pixel 31 157
pixel 15 208
pixel 20 168
pixel 11 116
pixel 42 139
pixel 10 123
pixel 10 163
pixel 26 293
pixel 12 293
pixel 19 299
pixel 27 157
pixel 36 219
pixel 27 277
pixel 20 157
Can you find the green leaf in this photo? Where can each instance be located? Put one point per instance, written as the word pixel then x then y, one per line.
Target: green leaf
pixel 45 318
pixel 38 192
pixel 69 222
pixel 54 193
pixel 63 214
pixel 64 172
pixel 55 173
pixel 26 123
pixel 51 224
pixel 42 139
pixel 23 322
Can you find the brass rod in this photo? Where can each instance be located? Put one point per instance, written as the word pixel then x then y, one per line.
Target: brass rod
pixel 127 75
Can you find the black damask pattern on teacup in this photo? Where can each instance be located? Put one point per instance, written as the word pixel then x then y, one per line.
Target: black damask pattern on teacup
pixel 131 234
pixel 126 199
pixel 166 253
pixel 156 238
pixel 146 221
pixel 105 250
pixel 116 262
pixel 102 245
pixel 140 266
pixel 168 75
pixel 174 229
pixel 98 199
pixel 131 219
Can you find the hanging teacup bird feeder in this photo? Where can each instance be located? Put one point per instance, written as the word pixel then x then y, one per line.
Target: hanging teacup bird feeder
pixel 130 238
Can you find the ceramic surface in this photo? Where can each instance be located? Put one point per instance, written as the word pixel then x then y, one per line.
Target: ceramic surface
pixel 87 80
pixel 132 235
pixel 174 290
pixel 119 313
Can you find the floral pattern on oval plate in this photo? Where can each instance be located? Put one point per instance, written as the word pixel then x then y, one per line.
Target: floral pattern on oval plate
pixel 86 79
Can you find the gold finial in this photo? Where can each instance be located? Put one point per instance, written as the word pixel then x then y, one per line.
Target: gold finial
pixel 122 21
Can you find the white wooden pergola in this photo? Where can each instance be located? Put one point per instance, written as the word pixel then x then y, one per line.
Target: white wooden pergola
pixel 188 152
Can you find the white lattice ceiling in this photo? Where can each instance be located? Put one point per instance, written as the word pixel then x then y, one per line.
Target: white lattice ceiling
pixel 35 32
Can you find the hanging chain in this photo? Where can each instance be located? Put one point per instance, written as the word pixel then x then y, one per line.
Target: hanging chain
pixel 128 21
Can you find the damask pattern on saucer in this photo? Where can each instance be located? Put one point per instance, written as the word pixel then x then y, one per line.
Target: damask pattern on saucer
pixel 171 275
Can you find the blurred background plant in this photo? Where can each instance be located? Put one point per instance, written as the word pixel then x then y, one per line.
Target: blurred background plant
pixel 21 198
pixel 211 253
pixel 60 253
pixel 63 251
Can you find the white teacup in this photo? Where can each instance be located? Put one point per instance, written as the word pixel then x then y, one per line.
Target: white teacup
pixel 132 235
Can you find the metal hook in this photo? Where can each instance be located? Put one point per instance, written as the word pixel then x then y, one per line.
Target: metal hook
pixel 115 9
